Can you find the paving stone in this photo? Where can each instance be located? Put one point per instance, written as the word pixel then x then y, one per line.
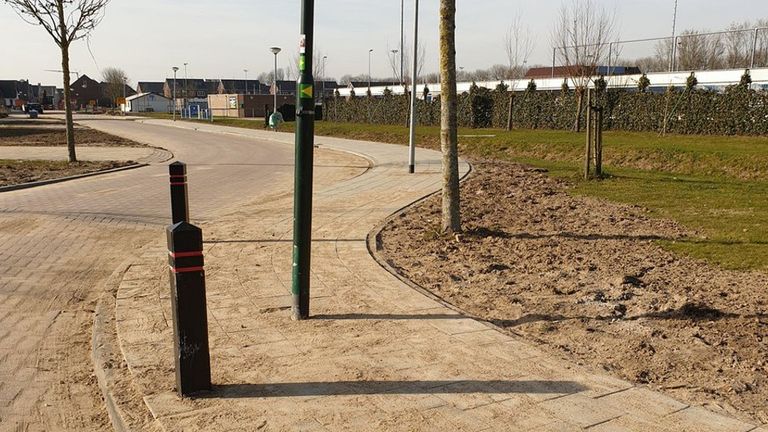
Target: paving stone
pixel 703 420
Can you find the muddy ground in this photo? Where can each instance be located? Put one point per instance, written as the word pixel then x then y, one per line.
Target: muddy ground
pixel 46 135
pixel 585 278
pixel 19 171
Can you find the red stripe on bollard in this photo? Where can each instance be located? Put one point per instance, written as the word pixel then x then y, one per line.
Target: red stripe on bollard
pixel 185 254
pixel 185 269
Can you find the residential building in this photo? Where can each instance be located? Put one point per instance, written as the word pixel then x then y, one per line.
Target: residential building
pixel 151 87
pixel 147 102
pixel 234 86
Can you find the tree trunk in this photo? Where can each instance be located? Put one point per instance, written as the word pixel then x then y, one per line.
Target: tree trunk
pixel 64 45
pixel 511 110
pixel 451 218
pixel 579 109
pixel 68 105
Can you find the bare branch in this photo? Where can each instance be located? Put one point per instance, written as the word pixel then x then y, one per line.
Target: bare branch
pixel 519 47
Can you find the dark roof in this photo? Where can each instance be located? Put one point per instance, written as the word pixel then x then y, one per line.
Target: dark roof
pixel 567 71
pixel 196 82
pixel 83 82
pixel 8 89
pixel 361 84
pixel 327 84
pixel 238 86
pixel 151 87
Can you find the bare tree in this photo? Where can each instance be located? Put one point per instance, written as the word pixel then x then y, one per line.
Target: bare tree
pixel 582 37
pixel 268 77
pixel 697 51
pixel 394 63
pixel 451 217
pixel 65 21
pixel 116 80
pixel 519 47
pixel 317 60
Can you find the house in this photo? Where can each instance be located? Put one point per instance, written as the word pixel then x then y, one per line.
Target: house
pixel 12 91
pixel 86 91
pixel 239 87
pixel 150 87
pixel 147 102
pixel 284 87
pixel 189 88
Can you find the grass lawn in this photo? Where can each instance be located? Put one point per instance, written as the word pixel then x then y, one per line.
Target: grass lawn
pixel 717 185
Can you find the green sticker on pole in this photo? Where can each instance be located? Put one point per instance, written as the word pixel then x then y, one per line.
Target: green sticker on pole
pixel 302 63
pixel 306 91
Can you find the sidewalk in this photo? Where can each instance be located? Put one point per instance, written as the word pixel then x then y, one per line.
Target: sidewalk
pixel 86 153
pixel 377 355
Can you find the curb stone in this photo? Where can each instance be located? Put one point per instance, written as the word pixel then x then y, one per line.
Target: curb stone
pixel 105 345
pixel 63 179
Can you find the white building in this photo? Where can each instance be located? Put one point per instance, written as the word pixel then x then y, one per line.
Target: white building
pixel 147 102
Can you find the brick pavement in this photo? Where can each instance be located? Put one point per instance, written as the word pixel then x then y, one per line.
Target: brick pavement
pixel 59 243
pixel 377 355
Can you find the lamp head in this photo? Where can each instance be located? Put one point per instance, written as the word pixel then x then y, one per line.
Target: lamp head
pixel 175 68
pixel 275 50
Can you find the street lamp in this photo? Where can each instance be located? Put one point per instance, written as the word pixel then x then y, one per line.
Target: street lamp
pixel 394 61
pixel 186 86
pixel 369 71
pixel 125 84
pixel 246 80
pixel 175 69
pixel 322 95
pixel 414 77
pixel 275 51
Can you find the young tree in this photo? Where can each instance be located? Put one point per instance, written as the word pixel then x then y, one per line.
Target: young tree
pixel 116 80
pixel 519 47
pixel 451 217
pixel 582 37
pixel 394 63
pixel 65 21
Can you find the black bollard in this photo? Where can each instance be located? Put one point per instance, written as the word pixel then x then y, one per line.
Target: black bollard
pixel 179 199
pixel 190 322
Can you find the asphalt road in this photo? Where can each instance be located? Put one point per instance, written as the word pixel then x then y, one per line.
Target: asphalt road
pixel 59 243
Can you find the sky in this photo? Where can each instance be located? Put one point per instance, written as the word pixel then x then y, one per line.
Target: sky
pixel 221 38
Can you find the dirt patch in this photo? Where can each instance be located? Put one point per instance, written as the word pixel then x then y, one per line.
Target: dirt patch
pixel 46 135
pixel 586 278
pixel 14 172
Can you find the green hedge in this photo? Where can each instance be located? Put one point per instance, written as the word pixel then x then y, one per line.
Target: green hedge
pixel 737 111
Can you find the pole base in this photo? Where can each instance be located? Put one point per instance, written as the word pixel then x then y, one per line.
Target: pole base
pixel 296 314
pixel 411 169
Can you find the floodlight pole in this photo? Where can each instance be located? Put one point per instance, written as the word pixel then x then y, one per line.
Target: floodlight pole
pixel 305 142
pixel 412 136
pixel 275 51
pixel 175 69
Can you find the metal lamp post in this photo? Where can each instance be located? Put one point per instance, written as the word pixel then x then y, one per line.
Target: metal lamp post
pixel 322 95
pixel 275 50
pixel 412 135
pixel 186 87
pixel 394 60
pixel 370 51
pixel 125 103
pixel 305 143
pixel 175 69
pixel 402 42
